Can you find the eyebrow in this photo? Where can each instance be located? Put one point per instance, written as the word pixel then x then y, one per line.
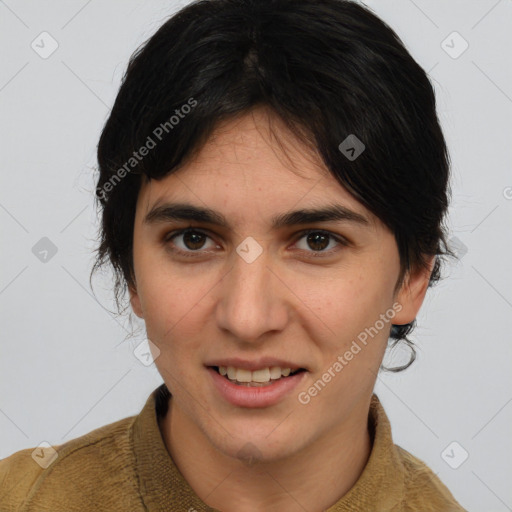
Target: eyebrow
pixel 187 212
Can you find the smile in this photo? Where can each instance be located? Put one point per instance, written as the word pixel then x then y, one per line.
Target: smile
pixel 256 378
pixel 259 388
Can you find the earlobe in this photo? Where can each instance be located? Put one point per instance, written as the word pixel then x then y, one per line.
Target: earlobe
pixel 412 293
pixel 135 302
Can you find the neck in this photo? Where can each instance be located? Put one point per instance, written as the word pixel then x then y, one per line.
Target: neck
pixel 313 479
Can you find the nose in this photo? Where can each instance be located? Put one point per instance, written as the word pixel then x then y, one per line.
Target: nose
pixel 253 300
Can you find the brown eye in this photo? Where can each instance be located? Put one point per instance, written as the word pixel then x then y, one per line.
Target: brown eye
pixel 317 241
pixel 187 242
pixel 194 240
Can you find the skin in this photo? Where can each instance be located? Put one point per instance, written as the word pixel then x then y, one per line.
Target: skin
pixel 287 304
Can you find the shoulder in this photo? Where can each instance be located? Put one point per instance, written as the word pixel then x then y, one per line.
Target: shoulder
pixel 423 490
pixel 81 468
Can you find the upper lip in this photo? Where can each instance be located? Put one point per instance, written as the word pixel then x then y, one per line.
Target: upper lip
pixel 256 364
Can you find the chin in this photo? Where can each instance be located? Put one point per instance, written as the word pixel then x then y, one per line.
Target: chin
pixel 258 448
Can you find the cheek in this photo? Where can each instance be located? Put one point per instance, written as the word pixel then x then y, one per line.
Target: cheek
pixel 351 337
pixel 343 306
pixel 175 301
pixel 344 324
pixel 163 294
pixel 169 318
pixel 169 307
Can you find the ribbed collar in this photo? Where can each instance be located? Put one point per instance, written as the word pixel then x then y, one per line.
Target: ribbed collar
pixel 163 487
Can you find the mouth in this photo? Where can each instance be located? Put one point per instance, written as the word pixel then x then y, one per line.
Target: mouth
pixel 256 385
pixel 262 377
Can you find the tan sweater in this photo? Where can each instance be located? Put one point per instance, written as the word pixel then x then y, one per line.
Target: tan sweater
pixel 125 467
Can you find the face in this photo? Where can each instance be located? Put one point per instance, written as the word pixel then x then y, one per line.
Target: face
pixel 249 293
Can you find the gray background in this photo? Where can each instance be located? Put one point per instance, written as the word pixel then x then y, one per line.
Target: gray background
pixel 65 366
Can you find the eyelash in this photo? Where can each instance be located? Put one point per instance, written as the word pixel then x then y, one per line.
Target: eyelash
pixel 315 254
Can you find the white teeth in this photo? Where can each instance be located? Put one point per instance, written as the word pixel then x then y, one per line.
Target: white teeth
pixel 261 376
pixel 275 372
pixel 243 375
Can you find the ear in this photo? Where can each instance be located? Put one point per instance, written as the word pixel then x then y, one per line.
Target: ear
pixel 135 301
pixel 412 293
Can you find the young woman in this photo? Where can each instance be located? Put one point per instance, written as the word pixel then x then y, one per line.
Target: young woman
pixel 273 183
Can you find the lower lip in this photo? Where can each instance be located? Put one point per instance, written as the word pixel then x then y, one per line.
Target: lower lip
pixel 261 396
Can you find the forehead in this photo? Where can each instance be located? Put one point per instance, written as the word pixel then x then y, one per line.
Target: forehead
pixel 251 166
